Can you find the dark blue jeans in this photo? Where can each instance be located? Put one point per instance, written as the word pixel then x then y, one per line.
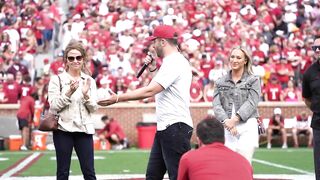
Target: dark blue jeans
pixel 64 143
pixel 316 152
pixel 168 147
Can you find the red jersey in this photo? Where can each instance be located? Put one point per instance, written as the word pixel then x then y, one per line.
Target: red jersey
pixel 113 127
pixel 12 92
pixel 273 91
pixel 274 122
pixel 196 91
pixel 26 110
pixel 214 161
pixel 26 90
pixel 206 66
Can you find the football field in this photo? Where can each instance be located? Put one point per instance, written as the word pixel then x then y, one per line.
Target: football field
pixel 276 163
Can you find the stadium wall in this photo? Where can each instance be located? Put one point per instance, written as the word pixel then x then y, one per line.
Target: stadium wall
pixel 129 114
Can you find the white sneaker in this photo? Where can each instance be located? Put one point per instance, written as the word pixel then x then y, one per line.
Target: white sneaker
pixel 284 146
pixel 23 148
pixel 269 146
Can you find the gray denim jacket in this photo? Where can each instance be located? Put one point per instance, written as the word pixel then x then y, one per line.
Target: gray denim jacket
pixel 244 95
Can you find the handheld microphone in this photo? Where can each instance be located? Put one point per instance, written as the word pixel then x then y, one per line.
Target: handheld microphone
pixel 144 67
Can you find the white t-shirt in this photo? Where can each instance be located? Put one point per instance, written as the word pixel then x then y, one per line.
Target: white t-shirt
pixel 172 104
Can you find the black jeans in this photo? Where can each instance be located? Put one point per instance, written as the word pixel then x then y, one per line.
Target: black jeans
pixel 64 142
pixel 168 147
pixel 316 152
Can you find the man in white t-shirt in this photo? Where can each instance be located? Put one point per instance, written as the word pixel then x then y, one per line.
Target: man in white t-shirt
pixel 170 85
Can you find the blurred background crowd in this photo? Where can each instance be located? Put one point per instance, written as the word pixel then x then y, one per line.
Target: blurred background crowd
pixel 34 33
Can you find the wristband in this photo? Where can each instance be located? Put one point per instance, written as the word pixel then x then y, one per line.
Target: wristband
pixel 153 70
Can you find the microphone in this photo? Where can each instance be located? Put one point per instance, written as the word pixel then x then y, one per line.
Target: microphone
pixel 144 67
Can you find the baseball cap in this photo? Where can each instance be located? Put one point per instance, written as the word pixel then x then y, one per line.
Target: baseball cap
pixel 163 31
pixel 277 111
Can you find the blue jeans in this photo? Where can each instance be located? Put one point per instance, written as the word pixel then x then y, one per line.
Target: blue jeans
pixel 168 147
pixel 316 152
pixel 64 142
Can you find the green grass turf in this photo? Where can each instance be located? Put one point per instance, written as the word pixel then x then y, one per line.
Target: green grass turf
pixel 13 157
pixel 135 161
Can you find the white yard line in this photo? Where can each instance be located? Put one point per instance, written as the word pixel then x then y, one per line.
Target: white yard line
pixel 282 166
pixel 21 165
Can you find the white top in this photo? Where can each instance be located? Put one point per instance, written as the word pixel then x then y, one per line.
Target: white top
pixel 172 104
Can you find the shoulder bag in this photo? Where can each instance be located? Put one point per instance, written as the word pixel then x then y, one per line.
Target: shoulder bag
pixel 49 120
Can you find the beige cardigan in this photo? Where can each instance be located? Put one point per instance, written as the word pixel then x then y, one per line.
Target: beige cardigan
pixel 75 112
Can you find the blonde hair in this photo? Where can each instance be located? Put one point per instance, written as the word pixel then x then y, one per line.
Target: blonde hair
pixel 247 56
pixel 78 46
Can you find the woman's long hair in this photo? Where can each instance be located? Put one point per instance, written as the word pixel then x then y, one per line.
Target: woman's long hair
pixel 247 56
pixel 78 46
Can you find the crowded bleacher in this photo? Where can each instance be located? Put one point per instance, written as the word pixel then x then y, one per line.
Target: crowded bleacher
pixel 278 34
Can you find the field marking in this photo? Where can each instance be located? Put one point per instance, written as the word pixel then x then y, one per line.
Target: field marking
pixel 282 166
pixel 21 165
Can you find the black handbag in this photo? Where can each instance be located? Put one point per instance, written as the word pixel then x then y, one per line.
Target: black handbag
pixel 49 120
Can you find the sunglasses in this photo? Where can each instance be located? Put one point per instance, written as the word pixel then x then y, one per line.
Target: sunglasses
pixel 315 48
pixel 72 58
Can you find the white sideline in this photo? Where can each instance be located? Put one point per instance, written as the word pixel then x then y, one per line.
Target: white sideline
pixel 282 166
pixel 20 166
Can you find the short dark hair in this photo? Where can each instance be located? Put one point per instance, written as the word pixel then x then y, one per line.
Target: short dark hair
pixel 104 118
pixel 210 130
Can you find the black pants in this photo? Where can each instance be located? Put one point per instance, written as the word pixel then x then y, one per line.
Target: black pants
pixel 64 143
pixel 168 147
pixel 316 152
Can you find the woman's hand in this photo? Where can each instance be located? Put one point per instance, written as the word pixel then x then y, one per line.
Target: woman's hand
pixel 73 87
pixel 230 125
pixel 86 87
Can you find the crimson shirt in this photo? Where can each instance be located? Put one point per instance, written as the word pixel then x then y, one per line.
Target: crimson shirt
pixel 214 161
pixel 26 110
pixel 113 128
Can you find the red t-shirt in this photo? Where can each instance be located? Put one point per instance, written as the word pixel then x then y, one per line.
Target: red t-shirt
pixel 195 91
pixel 214 161
pixel 113 128
pixel 26 110
pixel 11 91
pixel 273 91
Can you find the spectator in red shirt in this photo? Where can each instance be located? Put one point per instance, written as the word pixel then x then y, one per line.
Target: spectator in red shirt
pixel 57 65
pixel 113 132
pixel 284 72
pixel 215 159
pixel 302 126
pixel 25 116
pixel 206 65
pixel 17 66
pixel 11 89
pixel 273 90
pixel 276 125
pixel 196 92
pixel 26 88
pixel 208 91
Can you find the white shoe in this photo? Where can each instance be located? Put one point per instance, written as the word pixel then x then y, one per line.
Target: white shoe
pixel 284 146
pixel 23 148
pixel 269 146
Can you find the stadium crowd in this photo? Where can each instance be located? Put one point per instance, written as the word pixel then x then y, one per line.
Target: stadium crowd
pixel 278 33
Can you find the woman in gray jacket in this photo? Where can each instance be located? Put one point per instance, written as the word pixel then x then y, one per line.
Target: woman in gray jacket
pixel 73 94
pixel 235 103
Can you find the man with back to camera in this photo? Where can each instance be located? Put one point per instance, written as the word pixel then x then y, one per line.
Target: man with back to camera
pixel 311 97
pixel 213 160
pixel 171 86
